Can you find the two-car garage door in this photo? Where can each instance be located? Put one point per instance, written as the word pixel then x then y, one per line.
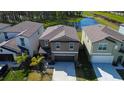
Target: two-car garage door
pixel 102 59
pixel 64 58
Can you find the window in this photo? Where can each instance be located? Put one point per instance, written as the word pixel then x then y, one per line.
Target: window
pixel 121 44
pixel 22 41
pixel 1 50
pixel 46 43
pixel 57 45
pixel 71 46
pixel 102 46
pixel 5 34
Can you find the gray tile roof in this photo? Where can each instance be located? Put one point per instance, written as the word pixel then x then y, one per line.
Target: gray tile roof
pixel 56 32
pixel 99 32
pixel 26 28
pixel 42 51
pixel 11 44
pixel 3 26
pixel 114 34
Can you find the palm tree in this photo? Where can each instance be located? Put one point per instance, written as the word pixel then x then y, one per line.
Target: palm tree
pixel 37 63
pixel 21 58
pixel 36 60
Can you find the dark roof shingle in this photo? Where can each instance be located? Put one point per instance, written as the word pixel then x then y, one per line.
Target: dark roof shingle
pixel 55 32
pixel 3 26
pixel 99 32
pixel 26 28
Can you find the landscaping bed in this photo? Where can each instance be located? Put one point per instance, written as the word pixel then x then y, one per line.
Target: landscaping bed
pixel 85 70
pixel 121 73
pixel 15 75
pixel 39 76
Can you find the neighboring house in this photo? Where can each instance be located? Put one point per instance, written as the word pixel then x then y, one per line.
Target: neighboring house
pixel 9 50
pixel 23 36
pixel 2 27
pixel 61 42
pixel 103 44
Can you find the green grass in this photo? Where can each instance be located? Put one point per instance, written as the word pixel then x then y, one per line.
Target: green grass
pixel 107 23
pixel 121 73
pixel 62 21
pixel 88 14
pixel 74 19
pixel 111 16
pixel 85 71
pixel 17 75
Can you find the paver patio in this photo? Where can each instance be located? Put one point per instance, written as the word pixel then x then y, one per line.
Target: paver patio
pixel 106 72
pixel 64 71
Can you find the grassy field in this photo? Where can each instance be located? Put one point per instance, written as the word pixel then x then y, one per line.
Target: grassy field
pixel 62 22
pixel 88 14
pixel 111 16
pixel 107 23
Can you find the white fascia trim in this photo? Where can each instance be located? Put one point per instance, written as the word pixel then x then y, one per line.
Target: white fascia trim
pixel 65 52
pixel 108 54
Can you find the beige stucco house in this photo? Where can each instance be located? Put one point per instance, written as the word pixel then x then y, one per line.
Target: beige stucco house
pixel 61 42
pixel 103 44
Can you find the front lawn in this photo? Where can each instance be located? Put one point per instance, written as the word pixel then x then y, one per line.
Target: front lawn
pixel 85 71
pixel 121 73
pixel 15 75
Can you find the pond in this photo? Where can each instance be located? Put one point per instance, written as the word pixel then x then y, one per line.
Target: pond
pixel 84 22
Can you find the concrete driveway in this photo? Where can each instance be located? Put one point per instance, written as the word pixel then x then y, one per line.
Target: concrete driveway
pixel 106 72
pixel 64 71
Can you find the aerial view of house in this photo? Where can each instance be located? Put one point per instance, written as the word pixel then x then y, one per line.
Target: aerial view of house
pixel 103 44
pixel 49 46
pixel 20 38
pixel 62 42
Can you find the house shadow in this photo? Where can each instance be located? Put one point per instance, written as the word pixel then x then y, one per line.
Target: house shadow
pixel 106 68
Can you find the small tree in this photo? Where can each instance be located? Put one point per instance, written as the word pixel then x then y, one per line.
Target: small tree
pixel 21 58
pixel 36 60
pixel 37 63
